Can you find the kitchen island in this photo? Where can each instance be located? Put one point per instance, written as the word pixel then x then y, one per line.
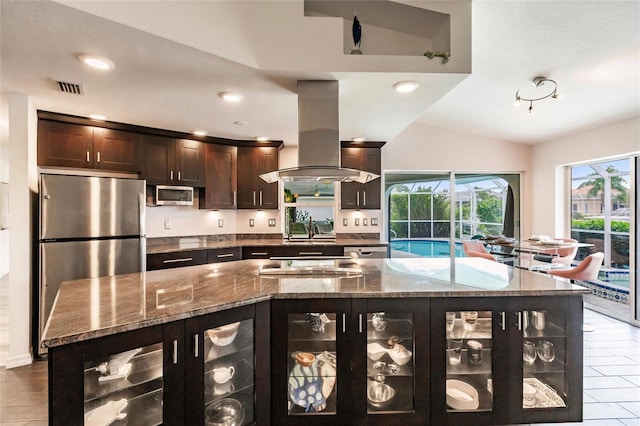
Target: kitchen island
pixel 154 342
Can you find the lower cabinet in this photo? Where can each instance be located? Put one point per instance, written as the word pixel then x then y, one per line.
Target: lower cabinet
pixel 506 360
pixel 190 372
pixel 350 362
pixel 176 259
pixel 333 361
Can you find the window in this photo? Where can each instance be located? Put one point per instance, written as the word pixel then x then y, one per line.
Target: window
pixel 601 193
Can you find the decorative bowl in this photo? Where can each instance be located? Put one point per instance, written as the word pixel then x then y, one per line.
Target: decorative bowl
pixel 461 395
pixel 375 351
pixel 224 412
pixel 223 335
pixel 305 359
pixel 379 394
pixel 400 355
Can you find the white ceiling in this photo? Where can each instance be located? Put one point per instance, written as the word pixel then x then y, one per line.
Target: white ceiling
pixel 173 58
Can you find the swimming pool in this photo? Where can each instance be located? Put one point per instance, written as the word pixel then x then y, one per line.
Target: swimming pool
pixel 426 248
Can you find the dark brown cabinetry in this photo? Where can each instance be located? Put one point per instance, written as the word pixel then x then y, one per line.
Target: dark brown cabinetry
pixel 333 363
pixel 512 347
pixel 259 252
pixel 136 375
pixel 311 251
pixel 220 177
pixel 171 161
pixel 172 374
pixel 224 255
pixel 79 146
pixel 176 259
pixel 253 192
pixel 361 196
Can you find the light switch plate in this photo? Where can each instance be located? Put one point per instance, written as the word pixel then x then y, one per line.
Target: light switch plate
pixel 364 221
pixel 272 222
pixel 357 221
pixel 374 221
pixel 220 223
pixel 167 224
pixel 345 221
pixel 252 222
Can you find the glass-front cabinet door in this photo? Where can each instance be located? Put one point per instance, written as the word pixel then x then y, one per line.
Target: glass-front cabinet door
pixel 470 351
pixel 550 358
pixel 125 387
pixel 310 361
pixel 394 336
pixel 227 363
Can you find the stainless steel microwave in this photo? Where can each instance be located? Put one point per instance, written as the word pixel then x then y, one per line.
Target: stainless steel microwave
pixel 168 195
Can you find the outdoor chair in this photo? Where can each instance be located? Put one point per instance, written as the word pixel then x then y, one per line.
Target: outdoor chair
pixel 586 270
pixel 485 255
pixel 476 246
pixel 563 255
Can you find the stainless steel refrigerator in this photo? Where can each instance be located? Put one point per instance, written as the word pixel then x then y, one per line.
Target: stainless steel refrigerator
pixel 89 227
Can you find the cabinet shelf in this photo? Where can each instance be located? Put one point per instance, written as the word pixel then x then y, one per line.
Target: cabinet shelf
pixel 403 370
pixel 482 331
pixel 550 330
pixel 541 367
pixel 301 331
pixel 145 368
pixel 402 328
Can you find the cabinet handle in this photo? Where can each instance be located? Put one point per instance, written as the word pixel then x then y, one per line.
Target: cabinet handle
pixel 98 156
pixel 364 198
pixel 503 322
pixel 260 197
pixel 254 198
pixel 171 175
pixel 344 322
pixel 259 253
pixel 88 157
pixel 184 259
pixel 175 351
pixel 519 314
pixel 359 323
pixel 309 253
pixel 178 174
pixel 357 198
pixel 235 198
pixel 196 341
pixel 225 255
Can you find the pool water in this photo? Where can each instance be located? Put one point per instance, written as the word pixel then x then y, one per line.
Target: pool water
pixel 426 248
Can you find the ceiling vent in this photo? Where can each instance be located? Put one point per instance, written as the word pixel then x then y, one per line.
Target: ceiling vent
pixel 66 87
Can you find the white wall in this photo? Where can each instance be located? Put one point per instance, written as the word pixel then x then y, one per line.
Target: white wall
pixel 549 178
pixel 421 147
pixel 22 151
pixel 4 177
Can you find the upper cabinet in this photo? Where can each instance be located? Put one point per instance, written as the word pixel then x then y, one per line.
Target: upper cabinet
pixel 79 146
pixel 221 182
pixel 171 161
pixel 365 196
pixel 253 192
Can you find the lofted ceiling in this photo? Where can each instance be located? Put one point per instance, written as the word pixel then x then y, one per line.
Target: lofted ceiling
pixel 174 57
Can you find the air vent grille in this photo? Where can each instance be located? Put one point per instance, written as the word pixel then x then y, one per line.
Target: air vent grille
pixel 66 87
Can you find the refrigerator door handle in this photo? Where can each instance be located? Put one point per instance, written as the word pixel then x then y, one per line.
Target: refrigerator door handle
pixel 143 231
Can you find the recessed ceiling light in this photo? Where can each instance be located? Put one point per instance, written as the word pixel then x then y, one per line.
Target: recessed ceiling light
pixel 231 96
pixel 240 123
pixel 97 62
pixel 262 139
pixel 199 132
pixel 97 117
pixel 406 86
pixel 358 139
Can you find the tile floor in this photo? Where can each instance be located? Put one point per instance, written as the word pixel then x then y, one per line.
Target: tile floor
pixel 611 380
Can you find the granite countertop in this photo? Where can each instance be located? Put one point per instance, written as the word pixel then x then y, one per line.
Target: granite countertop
pixel 202 243
pixel 96 307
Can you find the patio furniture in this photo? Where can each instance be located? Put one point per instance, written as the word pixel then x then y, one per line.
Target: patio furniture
pixel 564 255
pixel 488 256
pixel 586 270
pixel 476 246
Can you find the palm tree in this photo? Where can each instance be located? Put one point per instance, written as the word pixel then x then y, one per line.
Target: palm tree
pixel 596 185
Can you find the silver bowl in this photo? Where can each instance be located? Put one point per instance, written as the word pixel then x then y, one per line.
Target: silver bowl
pixel 224 412
pixel 379 394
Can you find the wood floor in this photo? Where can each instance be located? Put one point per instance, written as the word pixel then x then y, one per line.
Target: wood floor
pixel 611 380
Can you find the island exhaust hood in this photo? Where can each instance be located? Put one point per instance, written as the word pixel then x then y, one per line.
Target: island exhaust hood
pixel 318 139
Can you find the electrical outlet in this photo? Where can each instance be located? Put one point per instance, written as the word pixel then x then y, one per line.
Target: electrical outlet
pixel 364 221
pixel 167 224
pixel 345 222
pixel 252 223
pixel 220 223
pixel 374 221
pixel 357 221
pixel 272 222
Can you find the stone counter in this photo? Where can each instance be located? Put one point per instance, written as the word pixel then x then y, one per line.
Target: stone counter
pixel 96 307
pixel 176 244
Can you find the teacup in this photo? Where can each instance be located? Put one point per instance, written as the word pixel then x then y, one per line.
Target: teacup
pixel 223 374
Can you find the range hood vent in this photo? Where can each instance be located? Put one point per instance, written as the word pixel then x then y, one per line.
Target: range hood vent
pixel 318 139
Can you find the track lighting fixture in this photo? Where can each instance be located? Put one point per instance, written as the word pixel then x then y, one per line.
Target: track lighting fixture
pixel 539 82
